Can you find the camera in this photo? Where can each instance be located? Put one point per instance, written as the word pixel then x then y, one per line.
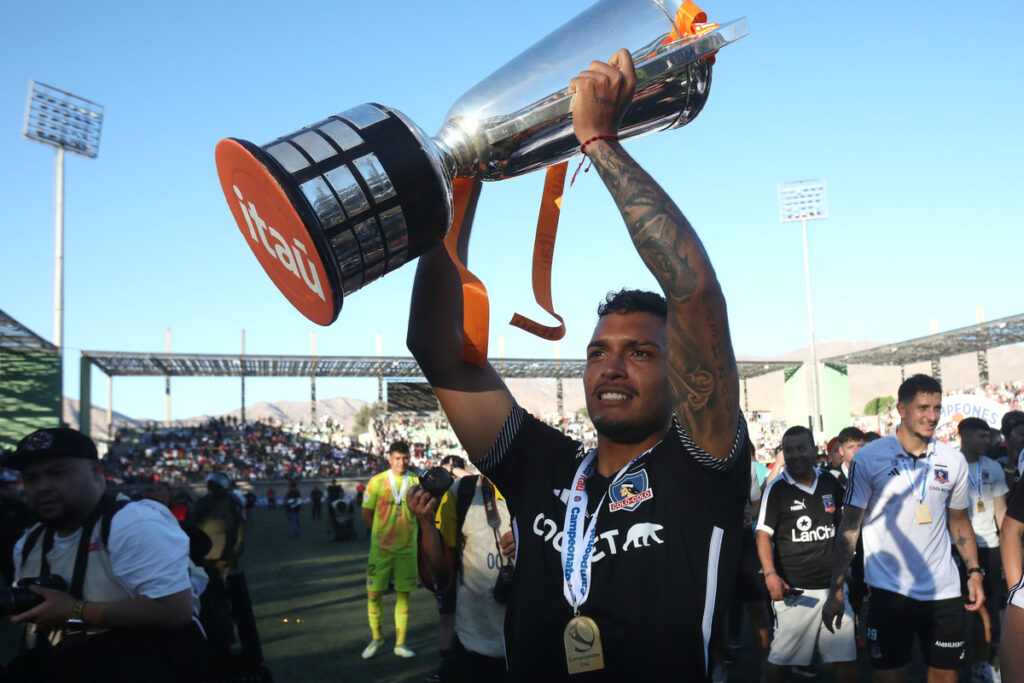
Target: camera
pixel 20 599
pixel 502 590
pixel 436 481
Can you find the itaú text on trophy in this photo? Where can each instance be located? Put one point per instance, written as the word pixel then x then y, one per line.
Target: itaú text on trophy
pixel 332 207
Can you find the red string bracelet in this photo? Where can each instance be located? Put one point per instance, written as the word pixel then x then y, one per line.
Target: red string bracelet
pixel 583 151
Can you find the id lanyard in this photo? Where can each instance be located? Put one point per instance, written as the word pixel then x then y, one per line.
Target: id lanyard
pixel 924 480
pixel 577 542
pixel 399 495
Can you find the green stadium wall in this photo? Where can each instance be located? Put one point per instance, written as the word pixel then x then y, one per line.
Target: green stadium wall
pixel 29 394
pixel 835 397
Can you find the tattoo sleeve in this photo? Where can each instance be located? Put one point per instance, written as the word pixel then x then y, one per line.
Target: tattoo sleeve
pixel 701 364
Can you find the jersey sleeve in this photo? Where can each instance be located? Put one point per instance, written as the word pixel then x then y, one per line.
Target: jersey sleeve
pixel 1015 508
pixel 525 447
pixel 447 517
pixel 858 485
pixel 768 517
pixel 149 551
pixel 741 446
pixel 959 499
pixel 372 492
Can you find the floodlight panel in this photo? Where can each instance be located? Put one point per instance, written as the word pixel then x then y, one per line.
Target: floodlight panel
pixel 802 200
pixel 58 118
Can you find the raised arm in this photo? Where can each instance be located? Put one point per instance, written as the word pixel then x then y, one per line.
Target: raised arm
pixel 701 365
pixel 474 398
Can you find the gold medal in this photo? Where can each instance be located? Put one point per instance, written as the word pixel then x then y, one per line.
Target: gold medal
pixel 924 515
pixel 981 506
pixel 583 651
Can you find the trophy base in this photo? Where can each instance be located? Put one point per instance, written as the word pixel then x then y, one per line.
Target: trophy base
pixel 334 206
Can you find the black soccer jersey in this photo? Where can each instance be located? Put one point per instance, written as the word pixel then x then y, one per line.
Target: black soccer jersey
pixel 666 552
pixel 1015 508
pixel 803 525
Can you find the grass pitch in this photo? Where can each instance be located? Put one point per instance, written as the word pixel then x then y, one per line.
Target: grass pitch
pixel 309 598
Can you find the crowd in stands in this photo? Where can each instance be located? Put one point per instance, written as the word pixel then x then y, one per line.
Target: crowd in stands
pixel 268 449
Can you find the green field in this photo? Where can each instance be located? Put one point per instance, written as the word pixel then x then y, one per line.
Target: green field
pixel 309 597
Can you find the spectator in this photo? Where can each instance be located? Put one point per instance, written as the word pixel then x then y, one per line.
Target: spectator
pixel 463 544
pixel 316 499
pixel 795 533
pixel 987 492
pixel 221 517
pixel 292 507
pixel 128 612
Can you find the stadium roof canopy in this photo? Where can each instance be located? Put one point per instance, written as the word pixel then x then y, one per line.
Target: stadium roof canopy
pixel 16 337
pixel 988 335
pixel 126 364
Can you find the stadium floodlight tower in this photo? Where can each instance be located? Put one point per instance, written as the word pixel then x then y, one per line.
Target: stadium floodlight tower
pixel 806 200
pixel 67 122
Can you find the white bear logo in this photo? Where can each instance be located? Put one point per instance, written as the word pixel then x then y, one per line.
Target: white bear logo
pixel 642 534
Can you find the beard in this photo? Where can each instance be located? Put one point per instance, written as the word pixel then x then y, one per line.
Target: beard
pixel 622 432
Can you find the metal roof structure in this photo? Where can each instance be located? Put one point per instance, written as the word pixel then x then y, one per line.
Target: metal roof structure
pixel 16 337
pixel 1001 332
pixel 128 364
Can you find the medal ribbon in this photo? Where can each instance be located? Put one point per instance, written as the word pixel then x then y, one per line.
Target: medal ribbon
pixel 924 480
pixel 399 495
pixel 576 556
pixel 975 484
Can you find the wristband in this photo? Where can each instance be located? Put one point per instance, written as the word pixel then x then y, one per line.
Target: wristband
pixel 583 147
pixel 767 574
pixel 76 611
pixel 976 570
pixel 583 151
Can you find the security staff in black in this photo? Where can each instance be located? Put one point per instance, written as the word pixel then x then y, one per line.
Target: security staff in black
pixel 126 614
pixel 622 549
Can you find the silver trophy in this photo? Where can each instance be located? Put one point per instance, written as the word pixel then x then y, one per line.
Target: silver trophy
pixel 336 205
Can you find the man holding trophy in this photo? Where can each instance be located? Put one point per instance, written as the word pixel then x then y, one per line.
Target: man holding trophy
pixel 621 550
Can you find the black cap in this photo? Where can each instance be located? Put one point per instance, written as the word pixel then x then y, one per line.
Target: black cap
pixel 55 441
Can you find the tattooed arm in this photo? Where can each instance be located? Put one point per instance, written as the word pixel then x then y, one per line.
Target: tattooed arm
pixel 701 366
pixel 842 555
pixel 966 544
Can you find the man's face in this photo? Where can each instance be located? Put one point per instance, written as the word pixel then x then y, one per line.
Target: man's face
pixel 835 456
pixel 399 462
pixel 625 378
pixel 974 441
pixel 62 491
pixel 847 450
pixel 920 414
pixel 799 451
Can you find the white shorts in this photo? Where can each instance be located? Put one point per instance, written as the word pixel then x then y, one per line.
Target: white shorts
pixel 798 629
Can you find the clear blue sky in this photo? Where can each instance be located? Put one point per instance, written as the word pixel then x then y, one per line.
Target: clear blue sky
pixel 912 115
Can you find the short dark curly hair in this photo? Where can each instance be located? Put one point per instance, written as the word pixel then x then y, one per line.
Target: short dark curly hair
pixel 633 301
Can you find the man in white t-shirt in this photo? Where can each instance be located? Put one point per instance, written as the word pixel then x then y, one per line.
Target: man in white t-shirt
pixel 469 531
pixel 987 491
pixel 127 613
pixel 903 491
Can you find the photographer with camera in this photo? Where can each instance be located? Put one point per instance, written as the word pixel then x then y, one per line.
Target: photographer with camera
pixel 104 585
pixel 466 543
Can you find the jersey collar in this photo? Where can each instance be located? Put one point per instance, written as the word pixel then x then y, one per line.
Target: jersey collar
pixel 794 482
